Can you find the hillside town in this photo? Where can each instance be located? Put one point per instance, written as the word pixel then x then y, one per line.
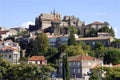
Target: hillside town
pixel 60 47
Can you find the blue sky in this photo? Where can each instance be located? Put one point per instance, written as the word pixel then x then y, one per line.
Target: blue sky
pixel 15 13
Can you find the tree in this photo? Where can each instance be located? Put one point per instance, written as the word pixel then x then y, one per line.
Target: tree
pixel 10 71
pixel 65 68
pixel 46 70
pixel 73 50
pixel 112 55
pixel 71 39
pixel 111 31
pixel 52 51
pixel 62 48
pixel 92 33
pixel 41 44
pixel 30 49
pixel 115 43
pixel 104 29
pixel 22 33
pixel 94 75
pixel 10 38
pixel 100 50
pixel 108 30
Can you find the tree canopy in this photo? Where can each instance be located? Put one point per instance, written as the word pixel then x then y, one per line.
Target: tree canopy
pixel 41 44
pixel 112 55
pixel 24 71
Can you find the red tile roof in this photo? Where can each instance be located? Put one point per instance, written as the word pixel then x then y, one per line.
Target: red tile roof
pixel 96 23
pixel 8 48
pixel 80 57
pixel 114 66
pixel 36 58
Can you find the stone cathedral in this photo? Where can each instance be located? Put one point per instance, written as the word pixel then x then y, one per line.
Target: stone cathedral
pixel 54 24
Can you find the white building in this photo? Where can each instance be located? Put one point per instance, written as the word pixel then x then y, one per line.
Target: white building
pixel 38 60
pixel 7 33
pixel 10 51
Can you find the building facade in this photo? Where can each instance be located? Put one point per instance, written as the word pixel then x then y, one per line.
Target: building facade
pixel 80 65
pixel 93 40
pixel 54 24
pixel 7 33
pixel 10 51
pixel 38 60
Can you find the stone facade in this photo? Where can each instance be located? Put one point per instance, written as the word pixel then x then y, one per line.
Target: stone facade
pixel 7 33
pixel 54 24
pixel 93 40
pixel 93 26
pixel 80 65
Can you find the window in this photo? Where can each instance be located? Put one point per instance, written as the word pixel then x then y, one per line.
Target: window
pixel 9 56
pixel 40 62
pixel 74 70
pixel 14 61
pixel 74 63
pixel 78 63
pixel 15 55
pixel 36 62
pixel 78 70
pixel 93 43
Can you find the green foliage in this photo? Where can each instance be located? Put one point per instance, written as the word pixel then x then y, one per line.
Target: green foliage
pixel 30 50
pixel 92 33
pixel 51 54
pixel 71 40
pixel 10 38
pixel 108 30
pixel 112 55
pixel 22 33
pixel 65 68
pixel 100 50
pixel 51 51
pixel 112 32
pixel 73 31
pixel 41 44
pixel 104 29
pixel 62 48
pixel 109 73
pixel 74 50
pixel 94 75
pixel 117 41
pixel 45 71
pixel 24 71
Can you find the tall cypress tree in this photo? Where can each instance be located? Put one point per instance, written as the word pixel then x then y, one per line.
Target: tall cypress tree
pixel 73 31
pixel 65 68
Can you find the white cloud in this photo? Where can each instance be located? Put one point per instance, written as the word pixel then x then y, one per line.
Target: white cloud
pixel 26 24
